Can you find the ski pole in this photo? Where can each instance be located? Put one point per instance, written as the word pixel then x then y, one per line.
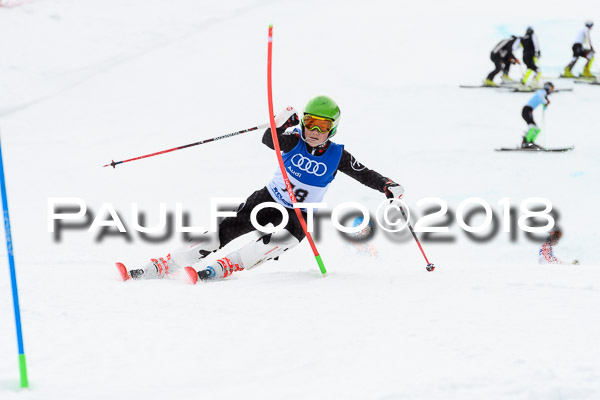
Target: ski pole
pixel 522 72
pixel 288 185
pixel 544 125
pixel 13 278
pixel 115 163
pixel 430 267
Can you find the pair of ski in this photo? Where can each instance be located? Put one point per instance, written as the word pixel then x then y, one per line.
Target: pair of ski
pixel 500 86
pixel 527 89
pixel 189 274
pixel 512 88
pixel 588 81
pixel 537 149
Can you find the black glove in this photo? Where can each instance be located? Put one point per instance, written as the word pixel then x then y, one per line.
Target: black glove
pixel 538 54
pixel 392 190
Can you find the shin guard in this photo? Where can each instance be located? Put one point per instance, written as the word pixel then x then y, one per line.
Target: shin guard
pixel 250 256
pixel 255 253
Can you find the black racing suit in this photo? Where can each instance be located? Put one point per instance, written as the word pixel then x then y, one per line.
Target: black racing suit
pixel 529 51
pixel 233 227
pixel 502 56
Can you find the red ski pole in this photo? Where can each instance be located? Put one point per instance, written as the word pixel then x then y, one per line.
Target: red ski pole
pixel 430 267
pixel 115 163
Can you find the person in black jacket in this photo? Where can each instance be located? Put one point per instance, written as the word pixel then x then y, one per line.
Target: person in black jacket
pixel 503 57
pixel 531 54
pixel 312 162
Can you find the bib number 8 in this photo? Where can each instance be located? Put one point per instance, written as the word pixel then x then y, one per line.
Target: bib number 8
pixel 299 194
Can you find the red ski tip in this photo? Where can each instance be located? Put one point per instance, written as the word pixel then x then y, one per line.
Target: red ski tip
pixel 190 274
pixel 122 271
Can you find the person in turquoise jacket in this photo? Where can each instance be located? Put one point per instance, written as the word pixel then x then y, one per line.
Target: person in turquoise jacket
pixel 539 97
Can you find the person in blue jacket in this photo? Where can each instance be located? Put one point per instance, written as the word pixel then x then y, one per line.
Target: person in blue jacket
pixel 539 97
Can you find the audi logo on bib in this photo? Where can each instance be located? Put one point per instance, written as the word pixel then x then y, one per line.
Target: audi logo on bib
pixel 309 166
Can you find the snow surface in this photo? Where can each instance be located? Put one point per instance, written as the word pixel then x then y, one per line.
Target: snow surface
pixel 84 82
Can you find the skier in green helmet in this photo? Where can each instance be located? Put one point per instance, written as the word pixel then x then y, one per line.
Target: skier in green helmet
pixel 312 161
pixel 322 108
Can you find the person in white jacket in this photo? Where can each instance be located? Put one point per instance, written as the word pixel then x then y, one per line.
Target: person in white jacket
pixel 580 50
pixel 503 57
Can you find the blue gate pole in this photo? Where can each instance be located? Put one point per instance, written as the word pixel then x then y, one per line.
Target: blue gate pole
pixel 13 276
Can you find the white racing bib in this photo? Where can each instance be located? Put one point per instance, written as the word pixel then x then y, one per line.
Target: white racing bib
pixel 309 175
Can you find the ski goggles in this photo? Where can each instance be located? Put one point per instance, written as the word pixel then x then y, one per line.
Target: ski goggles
pixel 312 122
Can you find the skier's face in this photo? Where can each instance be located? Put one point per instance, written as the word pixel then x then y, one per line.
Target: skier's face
pixel 315 138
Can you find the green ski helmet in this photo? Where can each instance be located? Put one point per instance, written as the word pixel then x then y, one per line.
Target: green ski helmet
pixel 325 107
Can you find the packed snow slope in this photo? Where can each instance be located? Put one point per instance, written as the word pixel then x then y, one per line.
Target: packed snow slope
pixel 86 82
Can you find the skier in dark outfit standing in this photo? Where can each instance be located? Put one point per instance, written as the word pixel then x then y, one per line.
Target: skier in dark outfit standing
pixel 531 53
pixel 312 161
pixel 502 56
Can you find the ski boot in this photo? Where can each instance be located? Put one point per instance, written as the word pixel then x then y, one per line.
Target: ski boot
pixel 222 269
pixel 567 73
pixel 156 268
pixel 529 138
pixel 248 257
pixel 126 275
pixel 489 82
pixel 526 77
pixel 586 72
pixel 507 79
pixel 529 145
pixel 525 144
pixel 537 83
